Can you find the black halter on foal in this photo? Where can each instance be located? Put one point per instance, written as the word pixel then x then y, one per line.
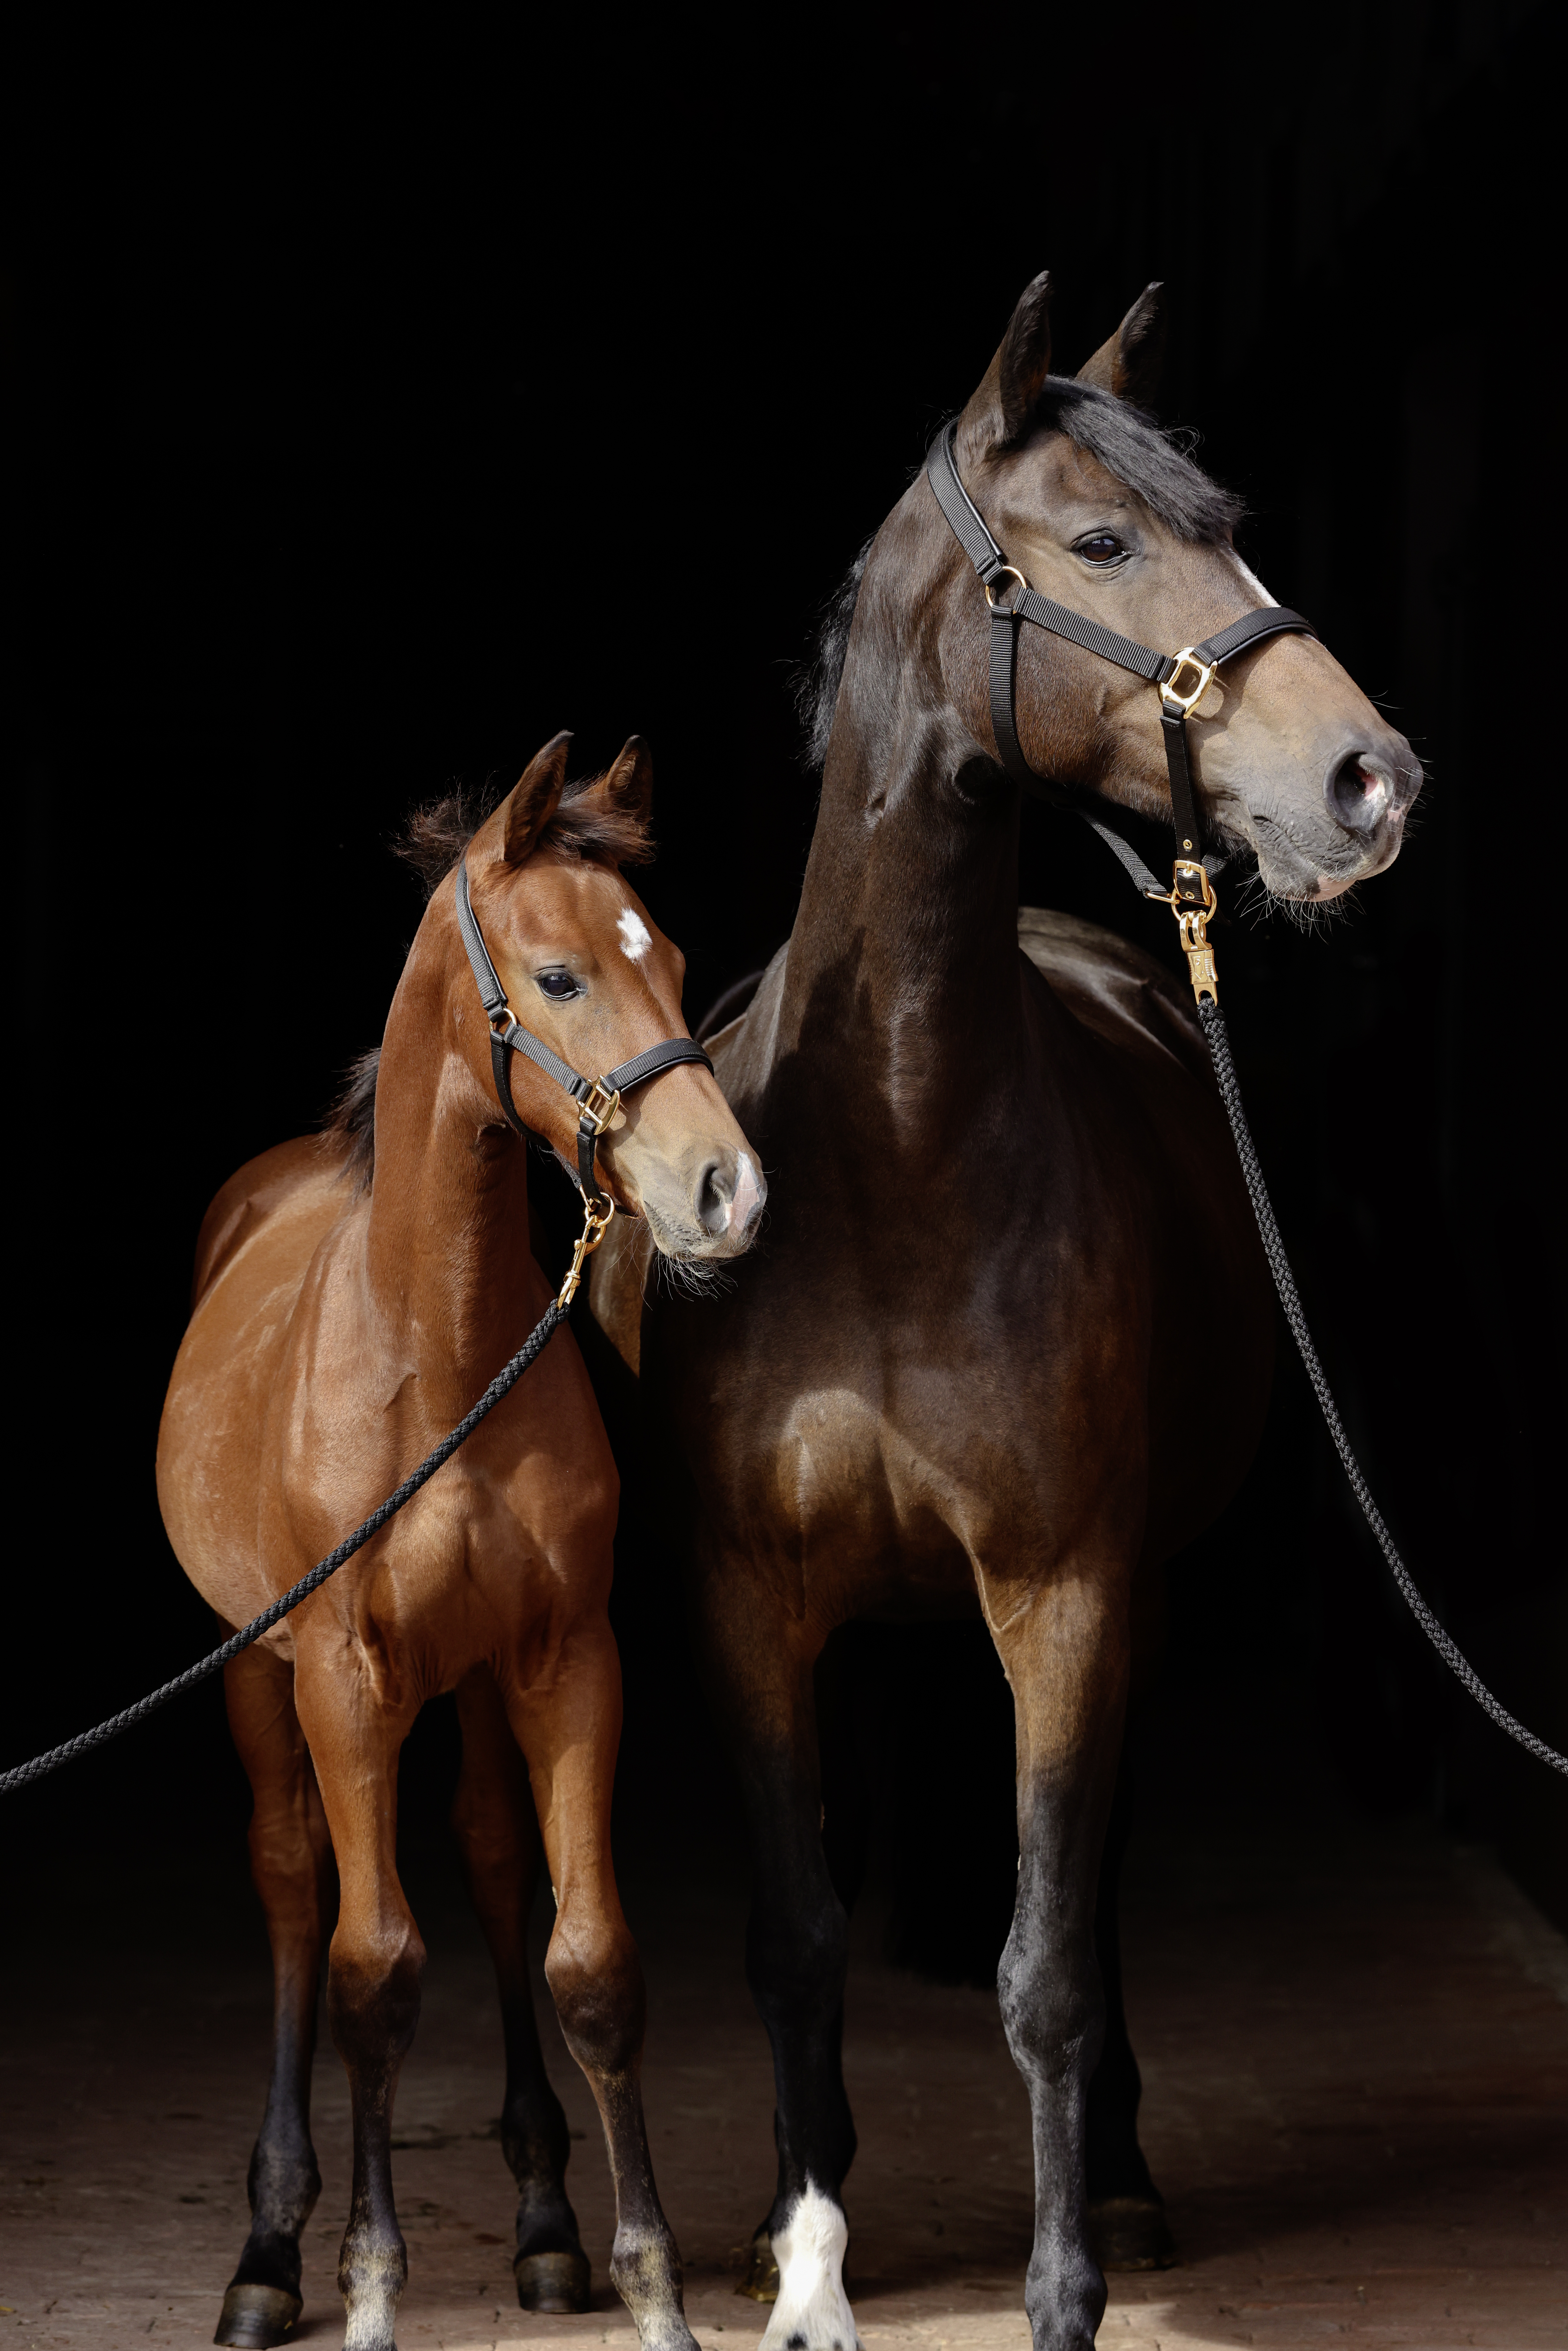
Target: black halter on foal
pixel 1183 680
pixel 597 1098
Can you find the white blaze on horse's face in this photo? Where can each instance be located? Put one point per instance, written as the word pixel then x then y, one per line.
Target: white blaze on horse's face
pixel 635 938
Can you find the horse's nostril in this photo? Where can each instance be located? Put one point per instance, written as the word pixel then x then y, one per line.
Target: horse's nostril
pixel 1360 793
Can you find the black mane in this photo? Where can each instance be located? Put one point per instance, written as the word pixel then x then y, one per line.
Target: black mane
pixel 1155 465
pixel 352 1121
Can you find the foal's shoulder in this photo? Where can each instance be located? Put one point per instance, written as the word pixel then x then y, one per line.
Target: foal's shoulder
pixel 1114 988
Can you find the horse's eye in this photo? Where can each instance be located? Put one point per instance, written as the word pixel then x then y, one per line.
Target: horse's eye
pixel 557 984
pixel 1101 546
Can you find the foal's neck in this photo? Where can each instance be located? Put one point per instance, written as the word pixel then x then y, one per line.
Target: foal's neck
pixel 448 1255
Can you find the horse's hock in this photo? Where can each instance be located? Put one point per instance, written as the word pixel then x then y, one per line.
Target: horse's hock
pixel 1355 2069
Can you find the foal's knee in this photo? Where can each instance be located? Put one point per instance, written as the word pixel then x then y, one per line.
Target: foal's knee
pixel 372 1992
pixel 596 1981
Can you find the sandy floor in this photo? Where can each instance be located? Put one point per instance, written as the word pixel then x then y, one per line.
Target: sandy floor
pixel 1355 2054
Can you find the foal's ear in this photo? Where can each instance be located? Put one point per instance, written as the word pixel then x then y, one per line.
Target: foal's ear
pixel 1003 407
pixel 628 785
pixel 532 800
pixel 1132 362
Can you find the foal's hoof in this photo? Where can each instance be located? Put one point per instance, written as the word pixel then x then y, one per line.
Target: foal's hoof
pixel 761 2279
pixel 556 2282
pixel 256 2317
pixel 1130 2232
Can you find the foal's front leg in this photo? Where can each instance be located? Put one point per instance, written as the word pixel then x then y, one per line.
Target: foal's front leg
pixel 568 1724
pixel 1064 1647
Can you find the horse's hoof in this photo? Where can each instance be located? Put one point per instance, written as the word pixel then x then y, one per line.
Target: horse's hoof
pixel 761 2279
pixel 1130 2232
pixel 555 2281
pixel 255 2317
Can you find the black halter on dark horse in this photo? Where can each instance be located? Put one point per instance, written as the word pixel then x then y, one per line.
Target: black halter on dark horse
pixel 934 1395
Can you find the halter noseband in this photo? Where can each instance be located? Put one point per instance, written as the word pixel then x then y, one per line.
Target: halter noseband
pixel 598 1099
pixel 1183 680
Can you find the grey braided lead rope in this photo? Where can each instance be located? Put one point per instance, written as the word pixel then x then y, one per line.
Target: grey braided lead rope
pixel 1215 1030
pixel 555 1315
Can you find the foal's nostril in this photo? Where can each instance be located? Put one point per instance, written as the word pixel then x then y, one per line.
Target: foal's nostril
pixel 1360 793
pixel 716 1190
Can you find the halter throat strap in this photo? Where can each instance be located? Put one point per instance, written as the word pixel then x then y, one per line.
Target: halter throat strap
pixel 598 1099
pixel 1182 679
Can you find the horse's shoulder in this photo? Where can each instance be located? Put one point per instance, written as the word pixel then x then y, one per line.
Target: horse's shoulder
pixel 303 1175
pixel 1114 988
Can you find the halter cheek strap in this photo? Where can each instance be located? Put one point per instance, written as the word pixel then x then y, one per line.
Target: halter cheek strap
pixel 1183 679
pixel 598 1099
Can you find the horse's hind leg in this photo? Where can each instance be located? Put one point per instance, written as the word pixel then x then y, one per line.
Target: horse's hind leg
pixel 493 1818
pixel 1127 2225
pixel 290 1853
pixel 376 1961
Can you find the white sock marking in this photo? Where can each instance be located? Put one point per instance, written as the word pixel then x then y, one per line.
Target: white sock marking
pixel 812 2309
pixel 635 938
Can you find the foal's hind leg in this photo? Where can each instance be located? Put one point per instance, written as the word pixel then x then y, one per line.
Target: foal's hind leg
pixel 290 1853
pixel 567 1722
pixel 493 1818
pixel 356 1731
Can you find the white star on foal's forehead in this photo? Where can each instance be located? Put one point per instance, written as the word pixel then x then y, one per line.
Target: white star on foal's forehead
pixel 635 938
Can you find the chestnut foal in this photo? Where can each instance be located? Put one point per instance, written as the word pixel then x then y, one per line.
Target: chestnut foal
pixel 346 1317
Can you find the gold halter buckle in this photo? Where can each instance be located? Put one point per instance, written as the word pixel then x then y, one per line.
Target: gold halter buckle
pixel 598 1106
pixel 1188 659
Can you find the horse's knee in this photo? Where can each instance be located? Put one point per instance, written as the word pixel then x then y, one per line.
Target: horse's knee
pixel 1049 1987
pixel 596 1982
pixel 797 1951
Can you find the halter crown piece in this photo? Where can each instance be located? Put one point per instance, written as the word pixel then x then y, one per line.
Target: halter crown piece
pixel 598 1099
pixel 1183 679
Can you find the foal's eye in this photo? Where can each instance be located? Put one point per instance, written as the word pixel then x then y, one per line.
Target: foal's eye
pixel 1100 547
pixel 558 985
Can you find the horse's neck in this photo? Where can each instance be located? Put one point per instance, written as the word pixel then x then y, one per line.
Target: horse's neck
pixel 447 1250
pixel 904 961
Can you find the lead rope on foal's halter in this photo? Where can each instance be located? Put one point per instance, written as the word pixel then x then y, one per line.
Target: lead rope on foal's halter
pixel 598 1100
pixel 1191 898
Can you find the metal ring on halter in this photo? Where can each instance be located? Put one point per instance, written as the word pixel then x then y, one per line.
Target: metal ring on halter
pixel 1006 571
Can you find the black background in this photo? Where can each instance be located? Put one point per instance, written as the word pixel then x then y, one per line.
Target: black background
pixel 393 401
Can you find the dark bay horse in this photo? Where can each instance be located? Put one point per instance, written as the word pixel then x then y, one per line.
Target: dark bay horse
pixel 1007 1346
pixel 355 1293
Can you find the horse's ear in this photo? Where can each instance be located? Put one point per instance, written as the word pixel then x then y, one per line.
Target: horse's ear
pixel 1024 360
pixel 629 786
pixel 1131 363
pixel 1003 407
pixel 532 800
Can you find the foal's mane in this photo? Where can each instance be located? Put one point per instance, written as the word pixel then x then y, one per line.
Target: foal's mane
pixel 1157 465
pixel 431 841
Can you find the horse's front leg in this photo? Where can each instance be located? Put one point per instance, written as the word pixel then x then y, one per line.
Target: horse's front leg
pixel 567 1723
pixel 759 1666
pixel 1064 1646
